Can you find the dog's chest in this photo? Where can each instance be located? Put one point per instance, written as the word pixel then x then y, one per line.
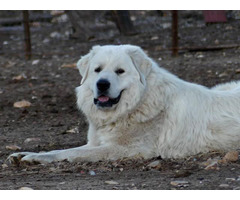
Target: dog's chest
pixel 125 133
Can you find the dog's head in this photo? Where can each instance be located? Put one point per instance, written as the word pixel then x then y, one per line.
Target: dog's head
pixel 114 76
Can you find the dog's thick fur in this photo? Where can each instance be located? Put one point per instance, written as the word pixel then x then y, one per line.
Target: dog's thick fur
pixel 157 114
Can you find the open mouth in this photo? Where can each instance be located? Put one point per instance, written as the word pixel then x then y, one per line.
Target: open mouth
pixel 105 101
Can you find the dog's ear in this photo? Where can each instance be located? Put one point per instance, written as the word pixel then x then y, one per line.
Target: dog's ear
pixel 83 63
pixel 141 61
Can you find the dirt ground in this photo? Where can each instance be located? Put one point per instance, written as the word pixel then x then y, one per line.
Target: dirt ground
pixel 52 121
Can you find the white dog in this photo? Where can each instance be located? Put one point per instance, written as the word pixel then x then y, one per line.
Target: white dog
pixel 135 108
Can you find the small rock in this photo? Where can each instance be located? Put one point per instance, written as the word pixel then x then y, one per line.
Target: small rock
pixel 224 74
pixel 216 41
pixel 92 173
pixel 35 62
pixel 236 188
pixel 56 35
pixel 22 104
pixel 46 40
pixel 52 169
pixel 166 25
pixel 229 28
pixel 28 140
pixel 224 185
pixel 230 179
pixel 4 166
pixel 155 164
pixel 121 169
pixel 179 183
pixel 111 182
pixel 13 147
pixel 188 55
pixel 231 156
pixel 25 188
pixel 61 183
pixel 154 38
pixel 199 55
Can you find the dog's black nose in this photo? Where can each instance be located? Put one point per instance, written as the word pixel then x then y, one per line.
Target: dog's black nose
pixel 103 85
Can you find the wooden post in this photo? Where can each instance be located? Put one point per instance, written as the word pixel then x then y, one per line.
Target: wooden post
pixel 27 36
pixel 123 22
pixel 174 32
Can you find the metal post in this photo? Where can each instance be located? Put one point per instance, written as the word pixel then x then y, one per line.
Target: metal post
pixel 174 32
pixel 27 37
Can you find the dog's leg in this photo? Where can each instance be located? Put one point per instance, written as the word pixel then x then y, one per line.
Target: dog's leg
pixel 83 153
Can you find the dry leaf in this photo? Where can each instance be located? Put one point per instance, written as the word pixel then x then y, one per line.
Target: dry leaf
pixel 74 130
pixel 231 156
pixel 73 65
pixel 22 104
pixel 13 147
pixel 19 77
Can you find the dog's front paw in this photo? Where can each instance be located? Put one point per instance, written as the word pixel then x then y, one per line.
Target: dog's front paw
pixel 31 158
pixel 17 158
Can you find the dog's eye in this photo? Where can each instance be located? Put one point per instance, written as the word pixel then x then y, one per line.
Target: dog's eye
pixel 98 69
pixel 119 71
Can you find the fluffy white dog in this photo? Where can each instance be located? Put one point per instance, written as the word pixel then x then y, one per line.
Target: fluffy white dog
pixel 136 108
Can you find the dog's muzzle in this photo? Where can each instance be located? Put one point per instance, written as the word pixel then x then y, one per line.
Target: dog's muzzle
pixel 103 100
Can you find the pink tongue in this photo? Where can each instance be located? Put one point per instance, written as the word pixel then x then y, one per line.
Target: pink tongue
pixel 103 99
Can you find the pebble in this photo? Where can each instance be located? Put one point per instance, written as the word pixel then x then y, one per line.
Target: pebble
pixel 28 140
pixel 230 179
pixel 35 62
pixel 224 74
pixel 4 166
pixel 25 188
pixel 224 185
pixel 236 188
pixel 199 55
pixel 111 182
pixel 92 173
pixel 46 40
pixel 13 147
pixel 179 183
pixel 154 38
pixel 56 35
pixel 155 164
